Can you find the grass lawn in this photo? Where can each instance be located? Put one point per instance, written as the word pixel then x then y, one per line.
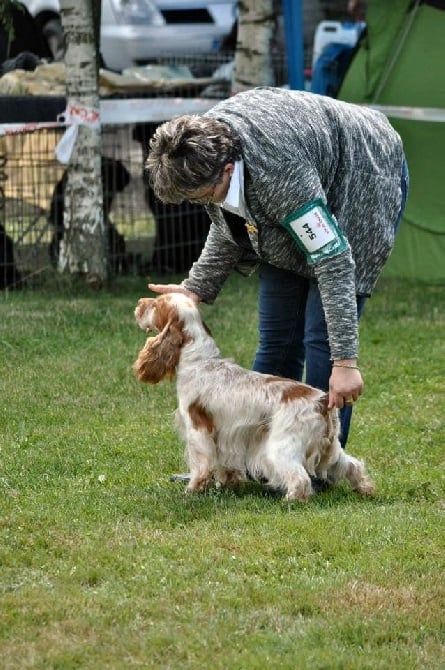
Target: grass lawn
pixel 105 564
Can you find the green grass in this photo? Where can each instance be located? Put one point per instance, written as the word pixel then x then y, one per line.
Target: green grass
pixel 105 564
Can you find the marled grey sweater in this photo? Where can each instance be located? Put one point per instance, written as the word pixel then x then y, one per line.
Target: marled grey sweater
pixel 297 147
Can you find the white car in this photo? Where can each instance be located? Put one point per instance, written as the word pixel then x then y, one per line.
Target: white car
pixel 137 32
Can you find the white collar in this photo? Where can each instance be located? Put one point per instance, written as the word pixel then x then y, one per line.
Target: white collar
pixel 234 201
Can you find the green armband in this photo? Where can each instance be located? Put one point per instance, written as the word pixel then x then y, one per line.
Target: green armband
pixel 316 232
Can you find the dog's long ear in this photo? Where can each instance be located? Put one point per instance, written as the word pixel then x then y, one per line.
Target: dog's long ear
pixel 159 356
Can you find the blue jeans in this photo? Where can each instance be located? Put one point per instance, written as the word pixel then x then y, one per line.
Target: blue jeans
pixel 292 326
pixel 286 343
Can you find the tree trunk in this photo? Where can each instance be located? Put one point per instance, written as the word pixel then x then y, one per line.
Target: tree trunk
pixel 253 56
pixel 83 247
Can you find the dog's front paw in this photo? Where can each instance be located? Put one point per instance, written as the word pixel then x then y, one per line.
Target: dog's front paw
pixel 199 483
pixel 230 477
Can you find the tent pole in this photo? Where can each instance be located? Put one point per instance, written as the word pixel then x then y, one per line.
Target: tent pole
pixel 293 30
pixel 399 46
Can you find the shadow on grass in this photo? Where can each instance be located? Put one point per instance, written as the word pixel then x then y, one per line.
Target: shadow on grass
pixel 170 505
pixel 167 505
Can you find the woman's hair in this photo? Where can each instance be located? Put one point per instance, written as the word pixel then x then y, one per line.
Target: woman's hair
pixel 189 153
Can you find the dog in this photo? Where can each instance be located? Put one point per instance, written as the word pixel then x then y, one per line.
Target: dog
pixel 238 423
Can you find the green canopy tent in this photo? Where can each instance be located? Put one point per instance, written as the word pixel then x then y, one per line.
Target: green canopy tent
pixel 400 66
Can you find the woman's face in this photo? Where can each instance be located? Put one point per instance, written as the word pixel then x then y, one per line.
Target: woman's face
pixel 216 193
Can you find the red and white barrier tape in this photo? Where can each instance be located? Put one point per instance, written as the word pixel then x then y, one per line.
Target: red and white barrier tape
pixel 157 110
pixel 117 112
pixel 110 112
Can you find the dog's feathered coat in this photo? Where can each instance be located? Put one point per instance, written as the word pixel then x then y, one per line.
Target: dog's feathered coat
pixel 236 421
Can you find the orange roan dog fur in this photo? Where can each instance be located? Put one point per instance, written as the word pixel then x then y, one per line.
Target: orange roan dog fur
pixel 237 422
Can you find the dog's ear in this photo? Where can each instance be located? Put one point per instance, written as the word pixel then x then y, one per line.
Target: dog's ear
pixel 159 357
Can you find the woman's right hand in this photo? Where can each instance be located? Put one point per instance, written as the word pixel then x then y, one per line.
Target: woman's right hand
pixel 173 288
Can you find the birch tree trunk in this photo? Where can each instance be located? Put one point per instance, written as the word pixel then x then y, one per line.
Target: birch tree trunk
pixel 83 248
pixel 253 55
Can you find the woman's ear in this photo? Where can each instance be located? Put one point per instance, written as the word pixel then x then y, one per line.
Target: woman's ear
pixel 229 168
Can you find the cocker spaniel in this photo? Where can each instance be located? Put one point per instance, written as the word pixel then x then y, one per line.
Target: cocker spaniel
pixel 236 422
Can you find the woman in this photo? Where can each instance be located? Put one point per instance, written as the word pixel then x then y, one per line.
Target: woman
pixel 310 190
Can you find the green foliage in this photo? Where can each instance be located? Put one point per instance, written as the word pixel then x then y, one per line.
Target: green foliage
pixel 6 16
pixel 105 564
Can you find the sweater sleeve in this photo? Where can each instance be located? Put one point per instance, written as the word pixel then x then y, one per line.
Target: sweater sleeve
pixel 336 284
pixel 218 258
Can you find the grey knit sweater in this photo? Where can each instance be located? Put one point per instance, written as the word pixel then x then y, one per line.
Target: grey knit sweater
pixel 298 147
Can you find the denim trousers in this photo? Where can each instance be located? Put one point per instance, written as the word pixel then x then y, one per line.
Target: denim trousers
pixel 293 335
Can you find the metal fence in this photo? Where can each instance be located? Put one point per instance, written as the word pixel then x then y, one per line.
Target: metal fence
pixel 143 235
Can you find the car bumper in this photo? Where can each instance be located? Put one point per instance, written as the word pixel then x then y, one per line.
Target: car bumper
pixel 129 46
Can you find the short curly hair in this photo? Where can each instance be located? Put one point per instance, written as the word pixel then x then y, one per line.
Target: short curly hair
pixel 189 153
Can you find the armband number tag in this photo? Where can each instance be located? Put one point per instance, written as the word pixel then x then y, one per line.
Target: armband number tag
pixel 316 231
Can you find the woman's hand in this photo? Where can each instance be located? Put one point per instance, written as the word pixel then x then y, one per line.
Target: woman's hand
pixel 173 288
pixel 345 384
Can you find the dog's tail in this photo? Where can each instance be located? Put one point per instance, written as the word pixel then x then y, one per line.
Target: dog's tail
pixel 323 402
pixel 330 442
pixel 331 416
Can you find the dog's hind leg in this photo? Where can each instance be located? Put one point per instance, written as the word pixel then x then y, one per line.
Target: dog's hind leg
pixel 298 484
pixel 350 468
pixel 284 468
